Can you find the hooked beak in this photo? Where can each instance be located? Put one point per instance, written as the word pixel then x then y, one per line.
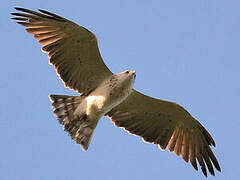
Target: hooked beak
pixel 134 74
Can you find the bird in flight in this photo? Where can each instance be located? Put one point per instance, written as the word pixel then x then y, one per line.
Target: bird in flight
pixel 73 51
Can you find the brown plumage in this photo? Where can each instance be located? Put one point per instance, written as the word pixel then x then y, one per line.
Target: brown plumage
pixel 169 126
pixel 73 51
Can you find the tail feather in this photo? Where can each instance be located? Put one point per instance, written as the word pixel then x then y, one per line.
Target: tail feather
pixel 64 106
pixel 78 126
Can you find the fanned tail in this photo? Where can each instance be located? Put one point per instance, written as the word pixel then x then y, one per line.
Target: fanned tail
pixel 78 126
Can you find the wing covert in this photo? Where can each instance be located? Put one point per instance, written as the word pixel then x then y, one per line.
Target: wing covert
pixel 72 49
pixel 169 126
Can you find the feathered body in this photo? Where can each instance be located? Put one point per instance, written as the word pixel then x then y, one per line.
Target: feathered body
pixel 80 115
pixel 73 51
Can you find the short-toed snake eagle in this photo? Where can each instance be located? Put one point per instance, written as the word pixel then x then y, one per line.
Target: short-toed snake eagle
pixel 73 51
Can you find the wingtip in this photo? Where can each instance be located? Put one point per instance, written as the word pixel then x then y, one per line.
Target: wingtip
pixel 212 173
pixel 44 11
pixel 24 9
pixel 218 168
pixel 204 171
pixel 41 10
pixel 213 143
pixel 14 14
pixel 19 8
pixel 195 167
pixel 18 19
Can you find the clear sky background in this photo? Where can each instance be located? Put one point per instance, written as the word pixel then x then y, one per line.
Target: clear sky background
pixel 183 51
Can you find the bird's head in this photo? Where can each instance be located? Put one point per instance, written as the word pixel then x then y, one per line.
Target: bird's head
pixel 127 78
pixel 129 75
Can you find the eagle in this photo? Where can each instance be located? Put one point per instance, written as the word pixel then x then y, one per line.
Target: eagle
pixel 73 51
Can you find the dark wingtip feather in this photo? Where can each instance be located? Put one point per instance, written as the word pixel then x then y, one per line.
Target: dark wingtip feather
pixel 18 8
pixel 42 14
pixel 213 142
pixel 15 14
pixel 21 9
pixel 185 158
pixel 19 18
pixel 194 164
pixel 217 166
pixel 21 23
pixel 50 14
pixel 219 169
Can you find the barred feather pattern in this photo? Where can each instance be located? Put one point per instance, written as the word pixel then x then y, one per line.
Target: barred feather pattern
pixel 78 126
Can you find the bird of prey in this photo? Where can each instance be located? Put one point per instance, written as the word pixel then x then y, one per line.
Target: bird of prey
pixel 73 51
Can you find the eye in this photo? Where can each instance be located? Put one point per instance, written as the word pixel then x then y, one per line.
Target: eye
pixel 127 72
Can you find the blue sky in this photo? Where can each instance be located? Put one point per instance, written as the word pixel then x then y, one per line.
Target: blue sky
pixel 182 51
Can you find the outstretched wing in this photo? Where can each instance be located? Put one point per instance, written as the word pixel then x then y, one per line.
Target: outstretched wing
pixel 169 125
pixel 71 48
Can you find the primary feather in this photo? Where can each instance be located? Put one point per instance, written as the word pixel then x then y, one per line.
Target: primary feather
pixel 73 51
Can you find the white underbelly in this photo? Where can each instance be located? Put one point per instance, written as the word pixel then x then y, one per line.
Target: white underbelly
pixel 95 104
pixel 100 105
pixel 103 99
